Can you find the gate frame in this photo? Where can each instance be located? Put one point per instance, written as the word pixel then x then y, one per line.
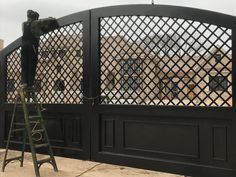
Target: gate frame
pixel 79 109
pixel 91 69
pixel 216 113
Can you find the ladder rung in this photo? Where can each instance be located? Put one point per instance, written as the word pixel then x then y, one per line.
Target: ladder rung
pixel 44 160
pixel 33 122
pixel 27 103
pixel 18 130
pixel 29 89
pixel 19 123
pixel 13 158
pixel 41 145
pixel 36 117
pixel 38 131
pixel 31 103
pixel 19 105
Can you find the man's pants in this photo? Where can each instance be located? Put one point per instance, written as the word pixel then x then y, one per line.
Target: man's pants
pixel 29 59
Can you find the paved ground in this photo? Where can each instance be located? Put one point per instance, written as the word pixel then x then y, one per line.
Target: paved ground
pixel 74 168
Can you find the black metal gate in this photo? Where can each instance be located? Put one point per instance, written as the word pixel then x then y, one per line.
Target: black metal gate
pixel 139 85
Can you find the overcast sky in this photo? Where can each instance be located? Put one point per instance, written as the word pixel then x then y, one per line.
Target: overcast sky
pixel 13 12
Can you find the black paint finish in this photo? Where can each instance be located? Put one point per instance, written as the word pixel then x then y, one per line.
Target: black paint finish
pixel 193 141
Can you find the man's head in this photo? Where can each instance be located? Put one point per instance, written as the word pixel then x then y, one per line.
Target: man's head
pixel 32 15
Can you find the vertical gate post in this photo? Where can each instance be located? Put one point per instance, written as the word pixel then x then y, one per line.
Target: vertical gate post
pixel 85 107
pixel 86 90
pixel 234 96
pixel 2 95
pixel 95 80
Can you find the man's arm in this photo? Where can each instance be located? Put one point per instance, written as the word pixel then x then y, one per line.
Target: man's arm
pixel 42 26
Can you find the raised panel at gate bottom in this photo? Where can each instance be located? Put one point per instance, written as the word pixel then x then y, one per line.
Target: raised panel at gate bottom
pixel 64 131
pixel 164 138
pixel 193 142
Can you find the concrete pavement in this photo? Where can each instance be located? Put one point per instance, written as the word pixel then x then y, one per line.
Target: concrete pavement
pixel 74 168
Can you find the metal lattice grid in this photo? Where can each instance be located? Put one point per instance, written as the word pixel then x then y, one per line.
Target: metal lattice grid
pixel 60 67
pixel 13 75
pixel 150 60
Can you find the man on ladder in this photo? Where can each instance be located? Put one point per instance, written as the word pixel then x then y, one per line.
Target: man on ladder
pixel 32 29
pixel 33 121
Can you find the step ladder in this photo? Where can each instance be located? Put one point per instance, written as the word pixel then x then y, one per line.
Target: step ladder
pixel 33 127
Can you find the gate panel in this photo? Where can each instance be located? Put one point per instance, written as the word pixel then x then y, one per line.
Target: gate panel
pixel 60 80
pixel 164 77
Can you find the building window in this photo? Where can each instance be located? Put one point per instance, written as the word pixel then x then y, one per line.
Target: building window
pixel 59 85
pixel 191 93
pixel 218 83
pixel 170 88
pixel 130 74
pixel 78 53
pixel 218 57
pixel 10 85
pixel 130 83
pixel 62 53
pixel 58 68
pixel 37 84
pixel 174 89
pixel 44 54
pixel 110 80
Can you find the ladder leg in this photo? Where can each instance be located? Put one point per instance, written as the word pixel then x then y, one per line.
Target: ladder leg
pixel 29 132
pixel 54 164
pixel 23 149
pixel 32 148
pixel 53 161
pixel 9 136
pixel 49 148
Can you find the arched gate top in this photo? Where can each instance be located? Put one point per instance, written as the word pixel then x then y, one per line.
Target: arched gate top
pixel 194 14
pixel 187 13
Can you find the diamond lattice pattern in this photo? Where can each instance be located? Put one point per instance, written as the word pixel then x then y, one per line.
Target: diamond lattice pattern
pixel 149 60
pixel 59 70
